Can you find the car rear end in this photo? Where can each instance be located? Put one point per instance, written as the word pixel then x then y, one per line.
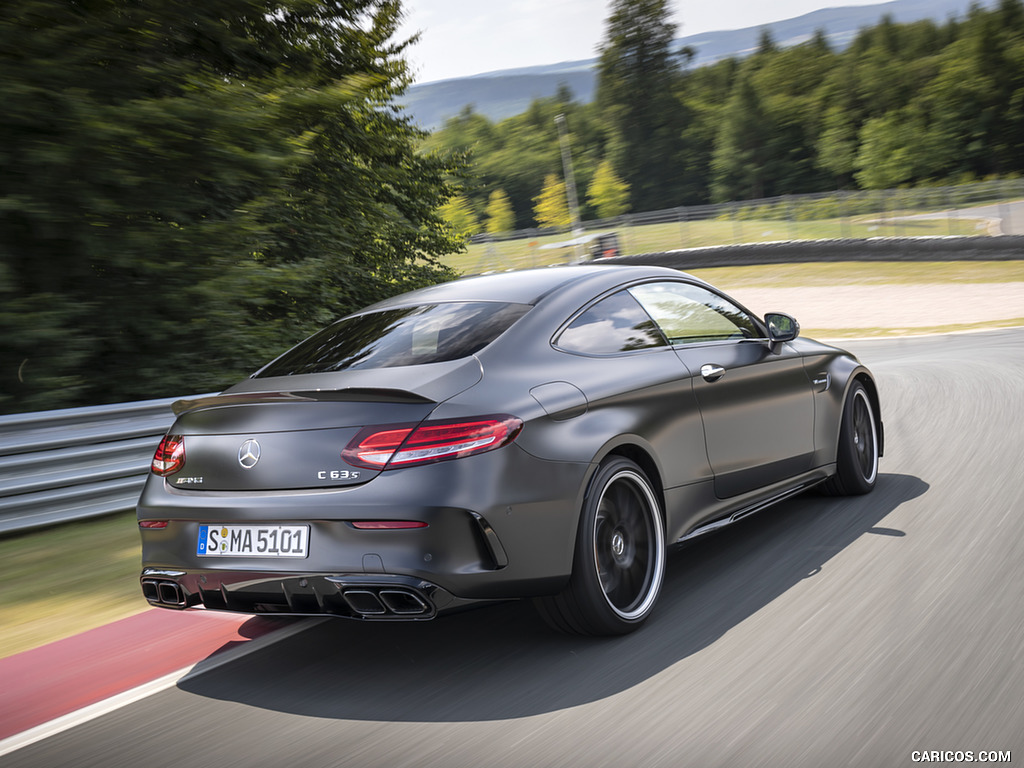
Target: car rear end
pixel 316 490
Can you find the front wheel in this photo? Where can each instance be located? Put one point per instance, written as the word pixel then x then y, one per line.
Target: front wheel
pixel 619 562
pixel 857 457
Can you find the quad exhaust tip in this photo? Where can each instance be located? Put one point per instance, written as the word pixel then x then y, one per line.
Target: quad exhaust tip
pixel 166 593
pixel 386 602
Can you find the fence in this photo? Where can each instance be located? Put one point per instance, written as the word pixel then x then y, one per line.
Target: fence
pixel 984 208
pixel 59 466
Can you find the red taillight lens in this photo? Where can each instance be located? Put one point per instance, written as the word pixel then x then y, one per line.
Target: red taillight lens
pixel 152 524
pixel 169 456
pixel 387 525
pixel 402 446
pixel 373 447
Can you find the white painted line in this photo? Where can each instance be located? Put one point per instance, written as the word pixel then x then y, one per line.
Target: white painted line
pixel 100 708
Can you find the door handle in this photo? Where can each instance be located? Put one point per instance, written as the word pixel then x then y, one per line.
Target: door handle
pixel 712 372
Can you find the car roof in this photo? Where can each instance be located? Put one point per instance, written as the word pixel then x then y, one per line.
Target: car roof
pixel 528 286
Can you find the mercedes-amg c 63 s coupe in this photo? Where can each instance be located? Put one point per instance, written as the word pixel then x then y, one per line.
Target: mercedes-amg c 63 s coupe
pixel 541 434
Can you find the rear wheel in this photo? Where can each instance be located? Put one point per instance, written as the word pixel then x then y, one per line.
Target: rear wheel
pixel 619 563
pixel 857 458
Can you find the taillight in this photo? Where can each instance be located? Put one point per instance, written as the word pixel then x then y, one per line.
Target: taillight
pixel 393 446
pixel 169 456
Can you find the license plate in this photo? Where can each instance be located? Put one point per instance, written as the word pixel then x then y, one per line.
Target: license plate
pixel 253 540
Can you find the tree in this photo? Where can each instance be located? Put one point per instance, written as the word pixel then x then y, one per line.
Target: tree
pixel 188 190
pixel 550 207
pixel 459 214
pixel 742 148
pixel 837 145
pixel 637 75
pixel 607 193
pixel 888 152
pixel 500 216
pixel 766 44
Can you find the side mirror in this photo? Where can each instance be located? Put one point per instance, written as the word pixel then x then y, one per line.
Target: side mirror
pixel 781 327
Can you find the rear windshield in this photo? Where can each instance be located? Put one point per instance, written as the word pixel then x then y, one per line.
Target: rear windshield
pixel 430 333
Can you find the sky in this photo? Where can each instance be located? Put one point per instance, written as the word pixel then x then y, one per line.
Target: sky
pixel 469 37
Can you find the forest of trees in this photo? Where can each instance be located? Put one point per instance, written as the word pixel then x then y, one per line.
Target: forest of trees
pixel 186 190
pixel 904 104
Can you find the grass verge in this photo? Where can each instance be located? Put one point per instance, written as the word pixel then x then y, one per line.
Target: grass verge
pixel 63 580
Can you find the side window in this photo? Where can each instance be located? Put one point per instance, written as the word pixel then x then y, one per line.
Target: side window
pixel 691 314
pixel 613 325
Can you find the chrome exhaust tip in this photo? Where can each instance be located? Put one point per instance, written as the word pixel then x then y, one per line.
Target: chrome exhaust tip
pixel 164 593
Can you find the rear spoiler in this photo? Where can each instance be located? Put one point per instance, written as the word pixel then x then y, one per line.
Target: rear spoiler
pixel 350 395
pixel 428 383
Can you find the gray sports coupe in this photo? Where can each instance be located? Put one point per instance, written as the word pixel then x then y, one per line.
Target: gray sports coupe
pixel 540 434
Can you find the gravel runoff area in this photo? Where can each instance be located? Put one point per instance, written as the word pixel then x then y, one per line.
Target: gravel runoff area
pixel 890 306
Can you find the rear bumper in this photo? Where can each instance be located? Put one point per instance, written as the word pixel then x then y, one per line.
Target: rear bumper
pixel 499 525
pixel 376 597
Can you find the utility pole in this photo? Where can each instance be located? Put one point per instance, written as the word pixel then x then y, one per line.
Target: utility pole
pixel 570 181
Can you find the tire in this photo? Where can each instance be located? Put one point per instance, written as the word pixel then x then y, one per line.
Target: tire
pixel 619 561
pixel 857 457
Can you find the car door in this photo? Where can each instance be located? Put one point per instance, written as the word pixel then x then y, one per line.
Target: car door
pixel 633 384
pixel 755 398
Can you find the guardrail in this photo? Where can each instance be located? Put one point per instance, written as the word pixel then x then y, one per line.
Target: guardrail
pixel 59 466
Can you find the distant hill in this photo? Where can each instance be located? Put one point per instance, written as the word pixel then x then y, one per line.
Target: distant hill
pixel 508 92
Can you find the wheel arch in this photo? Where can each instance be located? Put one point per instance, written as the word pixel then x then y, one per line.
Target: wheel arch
pixel 644 459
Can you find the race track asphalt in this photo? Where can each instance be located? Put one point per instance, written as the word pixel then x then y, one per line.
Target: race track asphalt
pixel 824 632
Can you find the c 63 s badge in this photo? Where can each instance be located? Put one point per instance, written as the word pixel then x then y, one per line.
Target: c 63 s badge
pixel 336 474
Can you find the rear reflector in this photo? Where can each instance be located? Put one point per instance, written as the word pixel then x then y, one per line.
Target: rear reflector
pixel 387 525
pixel 403 445
pixel 152 524
pixel 169 456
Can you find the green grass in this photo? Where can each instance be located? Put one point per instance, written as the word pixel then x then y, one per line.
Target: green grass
pixel 63 580
pixel 652 238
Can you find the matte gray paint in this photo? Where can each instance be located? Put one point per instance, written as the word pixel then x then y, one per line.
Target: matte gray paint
pixel 762 426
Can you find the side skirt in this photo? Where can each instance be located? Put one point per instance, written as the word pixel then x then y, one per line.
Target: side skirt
pixel 751 509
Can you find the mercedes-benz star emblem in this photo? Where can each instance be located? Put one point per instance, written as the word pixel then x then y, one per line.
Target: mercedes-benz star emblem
pixel 249 454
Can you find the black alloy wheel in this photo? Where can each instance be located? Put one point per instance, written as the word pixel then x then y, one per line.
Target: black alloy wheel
pixel 857 457
pixel 619 564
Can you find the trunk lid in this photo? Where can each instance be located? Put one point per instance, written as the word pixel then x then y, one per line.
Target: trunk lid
pixel 270 434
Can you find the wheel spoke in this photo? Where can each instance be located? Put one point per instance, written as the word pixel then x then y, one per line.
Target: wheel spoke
pixel 863 428
pixel 623 542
